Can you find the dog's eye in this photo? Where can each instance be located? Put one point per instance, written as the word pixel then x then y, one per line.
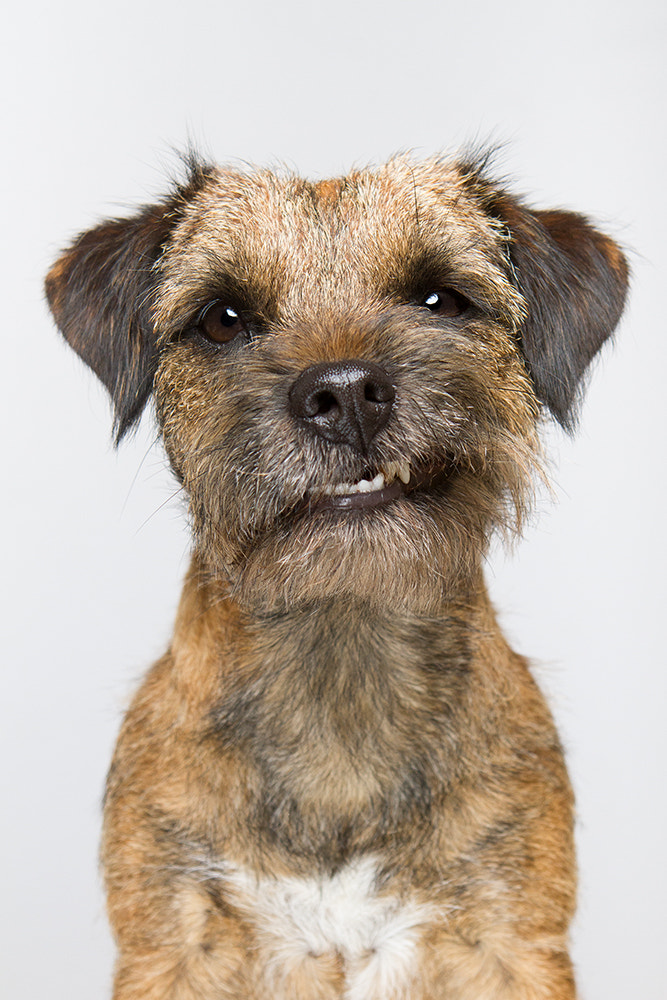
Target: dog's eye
pixel 221 322
pixel 446 303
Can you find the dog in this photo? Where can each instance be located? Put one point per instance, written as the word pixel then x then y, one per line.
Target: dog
pixel 340 781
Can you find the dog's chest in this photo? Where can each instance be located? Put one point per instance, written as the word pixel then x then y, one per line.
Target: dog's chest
pixel 375 935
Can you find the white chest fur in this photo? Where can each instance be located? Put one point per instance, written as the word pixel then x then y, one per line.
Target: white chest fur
pixel 377 935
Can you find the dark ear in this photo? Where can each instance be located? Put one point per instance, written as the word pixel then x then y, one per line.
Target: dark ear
pixel 101 293
pixel 574 281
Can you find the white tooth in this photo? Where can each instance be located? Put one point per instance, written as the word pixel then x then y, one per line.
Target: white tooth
pixel 363 486
pixel 404 472
pixel 371 485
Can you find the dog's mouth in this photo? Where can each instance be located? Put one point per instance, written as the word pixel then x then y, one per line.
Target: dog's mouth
pixel 373 490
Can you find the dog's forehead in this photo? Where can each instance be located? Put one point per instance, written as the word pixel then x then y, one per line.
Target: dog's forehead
pixel 287 238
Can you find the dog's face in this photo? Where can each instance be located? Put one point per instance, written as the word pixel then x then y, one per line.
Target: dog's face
pixel 348 375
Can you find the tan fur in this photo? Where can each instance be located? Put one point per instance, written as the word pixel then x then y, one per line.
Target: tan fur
pixel 339 720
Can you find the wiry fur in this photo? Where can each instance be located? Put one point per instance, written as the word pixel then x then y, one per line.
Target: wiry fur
pixel 340 781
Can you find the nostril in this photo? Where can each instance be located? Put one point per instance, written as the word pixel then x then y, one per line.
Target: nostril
pixel 379 392
pixel 323 403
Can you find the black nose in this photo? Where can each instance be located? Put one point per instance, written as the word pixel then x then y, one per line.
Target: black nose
pixel 344 401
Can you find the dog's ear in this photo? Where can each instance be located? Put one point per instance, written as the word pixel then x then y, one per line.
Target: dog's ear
pixel 101 294
pixel 574 280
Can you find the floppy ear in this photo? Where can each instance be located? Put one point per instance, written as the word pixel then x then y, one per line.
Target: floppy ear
pixel 101 293
pixel 574 280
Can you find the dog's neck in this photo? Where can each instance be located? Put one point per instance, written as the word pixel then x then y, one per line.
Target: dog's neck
pixel 302 695
pixel 339 650
pixel 345 632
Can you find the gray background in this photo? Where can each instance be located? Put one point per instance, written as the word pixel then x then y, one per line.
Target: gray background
pixel 94 543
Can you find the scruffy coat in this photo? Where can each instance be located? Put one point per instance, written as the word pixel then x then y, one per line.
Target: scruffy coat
pixel 340 781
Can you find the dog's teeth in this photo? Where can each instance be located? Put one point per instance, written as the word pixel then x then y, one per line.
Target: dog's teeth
pixel 397 470
pixel 363 486
pixel 393 470
pixel 370 485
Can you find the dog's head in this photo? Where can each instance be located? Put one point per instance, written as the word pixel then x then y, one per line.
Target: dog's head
pixel 348 374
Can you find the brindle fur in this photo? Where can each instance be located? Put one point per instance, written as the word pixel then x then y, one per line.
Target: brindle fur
pixel 337 688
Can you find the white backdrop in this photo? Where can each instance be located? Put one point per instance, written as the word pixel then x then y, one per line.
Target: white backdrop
pixel 94 544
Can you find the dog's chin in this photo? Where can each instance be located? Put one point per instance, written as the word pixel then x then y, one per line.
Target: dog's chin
pixel 405 537
pixel 404 546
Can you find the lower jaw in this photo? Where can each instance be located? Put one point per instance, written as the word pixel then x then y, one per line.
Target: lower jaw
pixel 399 556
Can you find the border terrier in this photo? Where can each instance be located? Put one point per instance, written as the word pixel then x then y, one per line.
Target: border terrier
pixel 340 781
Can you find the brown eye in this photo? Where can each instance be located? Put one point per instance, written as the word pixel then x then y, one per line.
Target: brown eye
pixel 221 322
pixel 447 303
